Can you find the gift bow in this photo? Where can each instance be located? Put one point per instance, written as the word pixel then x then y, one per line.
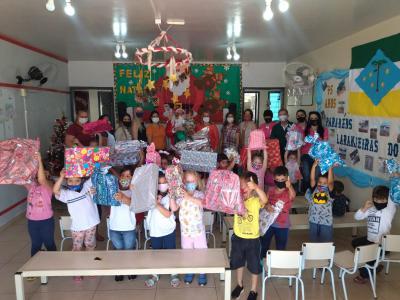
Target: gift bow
pixel 311 139
pixel 393 166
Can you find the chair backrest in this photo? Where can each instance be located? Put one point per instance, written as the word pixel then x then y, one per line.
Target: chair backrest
pixel 208 220
pixel 367 253
pixel 65 225
pixel 391 243
pixel 277 259
pixel 319 251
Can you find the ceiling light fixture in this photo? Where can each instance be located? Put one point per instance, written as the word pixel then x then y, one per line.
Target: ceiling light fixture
pixel 117 54
pixel 236 55
pixel 229 55
pixel 50 5
pixel 237 27
pixel 116 28
pixel 283 6
pixel 124 54
pixel 68 8
pixel 175 22
pixel 268 13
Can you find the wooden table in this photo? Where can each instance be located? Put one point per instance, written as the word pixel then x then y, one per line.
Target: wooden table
pixel 107 263
pixel 298 222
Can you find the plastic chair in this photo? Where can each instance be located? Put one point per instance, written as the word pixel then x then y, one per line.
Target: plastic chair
pixel 65 229
pixel 320 255
pixel 109 236
pixel 349 262
pixel 390 243
pixel 146 233
pixel 208 220
pixel 284 264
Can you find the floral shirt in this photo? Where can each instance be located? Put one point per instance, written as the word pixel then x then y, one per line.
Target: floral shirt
pixel 191 217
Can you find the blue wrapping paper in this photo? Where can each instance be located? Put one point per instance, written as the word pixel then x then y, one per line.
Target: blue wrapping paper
pixel 394 167
pixel 322 151
pixel 106 186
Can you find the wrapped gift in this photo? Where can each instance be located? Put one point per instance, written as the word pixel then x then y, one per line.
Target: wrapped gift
pixel 322 151
pixel 80 162
pixel 198 161
pixel 394 168
pixel 232 155
pixel 268 218
pixel 294 138
pixel 97 126
pixel 18 163
pixel 274 153
pixel 106 186
pixel 223 193
pixel 257 140
pixel 174 175
pixel 152 156
pixel 145 186
pixel 126 153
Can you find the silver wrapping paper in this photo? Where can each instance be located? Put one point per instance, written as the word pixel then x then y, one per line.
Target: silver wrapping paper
pixel 198 161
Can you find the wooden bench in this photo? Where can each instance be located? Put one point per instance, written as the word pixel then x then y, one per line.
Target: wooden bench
pixel 110 263
pixel 298 222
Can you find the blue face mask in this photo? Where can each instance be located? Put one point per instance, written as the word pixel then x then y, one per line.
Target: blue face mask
pixel 190 186
pixel 323 188
pixel 75 188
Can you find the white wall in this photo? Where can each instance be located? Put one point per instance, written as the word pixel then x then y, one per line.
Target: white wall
pixel 338 55
pixel 43 108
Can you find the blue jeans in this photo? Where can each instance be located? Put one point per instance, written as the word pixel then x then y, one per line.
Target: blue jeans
pixel 123 240
pixel 281 238
pixel 321 233
pixel 164 242
pixel 41 232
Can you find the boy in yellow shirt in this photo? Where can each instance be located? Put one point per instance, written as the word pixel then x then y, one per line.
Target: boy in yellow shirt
pixel 245 240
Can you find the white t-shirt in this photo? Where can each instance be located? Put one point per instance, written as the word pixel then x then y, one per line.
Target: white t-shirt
pixel 158 224
pixel 82 209
pixel 121 217
pixel 191 216
pixel 379 222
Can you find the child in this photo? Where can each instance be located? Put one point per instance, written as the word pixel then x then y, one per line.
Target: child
pixel 165 162
pixel 189 124
pixel 379 214
pixel 258 165
pixel 162 225
pixel 292 160
pixel 193 234
pixel 122 219
pixel 320 201
pixel 284 191
pixel 82 209
pixel 341 203
pixel 245 240
pixel 223 162
pixel 39 212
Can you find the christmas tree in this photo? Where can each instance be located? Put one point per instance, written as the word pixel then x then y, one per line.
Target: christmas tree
pixel 55 154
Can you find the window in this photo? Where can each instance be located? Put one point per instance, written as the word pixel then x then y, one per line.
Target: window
pixel 275 102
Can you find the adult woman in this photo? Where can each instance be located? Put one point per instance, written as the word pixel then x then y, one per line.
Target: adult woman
pixel 246 127
pixel 75 134
pixel 314 125
pixel 213 130
pixel 123 132
pixel 138 128
pixel 301 117
pixel 269 124
pixel 230 133
pixel 155 131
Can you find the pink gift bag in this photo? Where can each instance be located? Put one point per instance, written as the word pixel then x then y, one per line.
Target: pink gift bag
pixel 223 193
pixel 257 140
pixel 152 156
pixel 97 126
pixel 80 162
pixel 18 164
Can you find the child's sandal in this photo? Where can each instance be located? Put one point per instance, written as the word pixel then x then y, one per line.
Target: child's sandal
pixel 175 281
pixel 151 281
pixel 78 279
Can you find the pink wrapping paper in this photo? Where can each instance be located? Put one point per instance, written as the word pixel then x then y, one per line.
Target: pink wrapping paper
pixel 80 162
pixel 223 193
pixel 257 140
pixel 173 174
pixel 17 161
pixel 97 126
pixel 152 156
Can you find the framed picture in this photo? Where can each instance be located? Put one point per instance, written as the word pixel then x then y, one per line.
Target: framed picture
pixel 303 100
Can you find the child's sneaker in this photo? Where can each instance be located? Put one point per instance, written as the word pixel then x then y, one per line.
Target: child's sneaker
pixel 237 292
pixel 132 277
pixel 202 279
pixel 188 279
pixel 119 278
pixel 252 295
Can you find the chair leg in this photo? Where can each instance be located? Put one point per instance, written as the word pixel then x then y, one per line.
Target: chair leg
pixel 314 274
pixel 302 288
pixel 297 289
pixel 264 279
pixel 290 281
pixel 387 268
pixel 372 280
pixel 340 273
pixel 323 276
pixel 333 283
pixel 344 286
pixel 62 244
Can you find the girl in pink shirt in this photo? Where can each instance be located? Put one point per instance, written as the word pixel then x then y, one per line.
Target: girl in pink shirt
pixel 39 212
pixel 258 165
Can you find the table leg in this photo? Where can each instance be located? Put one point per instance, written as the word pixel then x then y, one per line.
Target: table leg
pixel 230 242
pixel 221 276
pixel 354 231
pixel 19 286
pixel 227 285
pixel 223 231
pixel 43 279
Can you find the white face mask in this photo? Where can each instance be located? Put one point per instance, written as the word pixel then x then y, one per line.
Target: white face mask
pixel 83 120
pixel 163 187
pixel 206 119
pixel 283 118
pixel 230 120
pixel 155 120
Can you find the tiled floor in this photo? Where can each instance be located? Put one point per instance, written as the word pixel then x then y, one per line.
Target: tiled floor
pixel 15 248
